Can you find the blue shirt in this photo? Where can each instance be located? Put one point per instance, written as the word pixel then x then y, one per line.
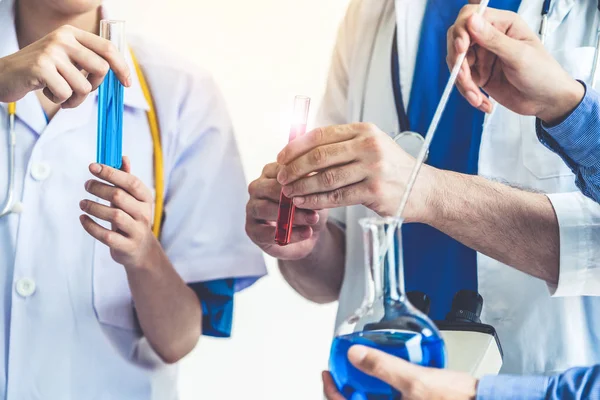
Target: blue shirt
pixel 577 141
pixel 574 384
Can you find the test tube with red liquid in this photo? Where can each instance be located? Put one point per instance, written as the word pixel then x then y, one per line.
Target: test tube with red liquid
pixel 285 216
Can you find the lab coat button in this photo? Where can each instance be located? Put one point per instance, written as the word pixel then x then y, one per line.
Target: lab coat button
pixel 25 287
pixel 40 171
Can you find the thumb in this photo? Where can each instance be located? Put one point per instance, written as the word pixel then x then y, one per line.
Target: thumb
pixel 398 373
pixel 487 36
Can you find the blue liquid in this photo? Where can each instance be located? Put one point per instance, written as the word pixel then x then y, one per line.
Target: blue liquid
pixel 110 122
pixel 410 346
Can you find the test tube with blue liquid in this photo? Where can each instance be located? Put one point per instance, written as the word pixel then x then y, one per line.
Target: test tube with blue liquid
pixel 110 103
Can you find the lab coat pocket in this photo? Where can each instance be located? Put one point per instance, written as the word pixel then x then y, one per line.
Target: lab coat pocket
pixel 537 158
pixel 112 297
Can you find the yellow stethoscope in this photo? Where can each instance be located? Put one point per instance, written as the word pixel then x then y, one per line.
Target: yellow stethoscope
pixel 8 206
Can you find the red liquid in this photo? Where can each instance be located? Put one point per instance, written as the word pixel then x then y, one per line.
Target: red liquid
pixel 285 215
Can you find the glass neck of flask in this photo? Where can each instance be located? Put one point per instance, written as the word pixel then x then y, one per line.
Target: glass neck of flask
pixel 383 250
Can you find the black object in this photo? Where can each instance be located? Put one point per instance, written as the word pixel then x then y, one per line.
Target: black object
pixel 466 307
pixel 420 300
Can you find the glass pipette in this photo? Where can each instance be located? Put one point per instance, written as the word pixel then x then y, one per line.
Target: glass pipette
pixel 429 136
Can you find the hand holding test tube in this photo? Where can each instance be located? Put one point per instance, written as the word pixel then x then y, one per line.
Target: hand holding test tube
pixel 110 103
pixel 285 216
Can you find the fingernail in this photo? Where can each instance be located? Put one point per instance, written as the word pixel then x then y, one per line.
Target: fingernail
pixel 82 204
pixel 95 168
pixel 282 177
pixel 477 23
pixel 357 353
pixel 129 81
pixel 288 190
pixel 472 97
pixel 88 184
pixel 299 201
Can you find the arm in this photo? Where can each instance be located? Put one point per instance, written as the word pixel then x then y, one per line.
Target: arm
pixel 516 227
pixel 573 384
pixel 318 277
pixel 577 140
pixel 168 310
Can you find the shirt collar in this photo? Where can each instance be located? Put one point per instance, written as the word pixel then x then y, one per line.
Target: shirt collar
pixel 133 97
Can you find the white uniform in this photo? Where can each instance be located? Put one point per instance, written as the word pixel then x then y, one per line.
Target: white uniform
pixel 69 331
pixel 542 330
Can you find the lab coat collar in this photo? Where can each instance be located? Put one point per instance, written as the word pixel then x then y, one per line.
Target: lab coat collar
pixel 29 109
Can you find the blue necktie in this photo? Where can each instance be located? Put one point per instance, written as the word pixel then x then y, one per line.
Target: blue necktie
pixel 434 263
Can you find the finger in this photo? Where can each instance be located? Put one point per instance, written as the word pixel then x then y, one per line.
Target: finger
pixel 263 188
pixel 264 210
pixel 270 170
pixel 392 370
pixel 117 217
pixel 129 183
pixel 79 84
pixel 317 159
pixel 96 66
pixel 265 234
pixel 316 138
pixel 57 90
pixel 329 389
pixel 468 88
pixel 126 165
pixel 327 180
pixel 108 52
pixel 117 197
pixel 346 196
pixel 489 37
pixel 112 239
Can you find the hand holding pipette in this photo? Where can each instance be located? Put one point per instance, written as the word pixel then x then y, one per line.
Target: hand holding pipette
pixel 508 60
pixel 67 64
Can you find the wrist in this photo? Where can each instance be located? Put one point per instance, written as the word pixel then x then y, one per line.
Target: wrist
pixel 563 103
pixel 429 181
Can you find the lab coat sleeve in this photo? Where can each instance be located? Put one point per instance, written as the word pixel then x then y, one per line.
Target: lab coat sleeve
pixel 203 233
pixel 334 108
pixel 579 229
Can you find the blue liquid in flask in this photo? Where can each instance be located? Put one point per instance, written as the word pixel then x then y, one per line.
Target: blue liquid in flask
pixel 110 122
pixel 410 346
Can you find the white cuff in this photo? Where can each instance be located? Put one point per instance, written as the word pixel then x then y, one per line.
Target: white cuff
pixel 579 229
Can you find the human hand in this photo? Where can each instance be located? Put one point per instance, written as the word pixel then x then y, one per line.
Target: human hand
pixel 352 164
pixel 507 60
pixel 131 240
pixel 67 64
pixel 413 381
pixel 261 218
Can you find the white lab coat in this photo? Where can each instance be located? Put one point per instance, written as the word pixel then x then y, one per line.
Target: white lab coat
pixel 542 329
pixel 75 336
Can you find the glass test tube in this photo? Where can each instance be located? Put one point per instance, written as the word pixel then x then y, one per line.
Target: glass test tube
pixel 110 103
pixel 285 216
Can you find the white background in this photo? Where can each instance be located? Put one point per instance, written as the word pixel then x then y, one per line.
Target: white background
pixel 262 53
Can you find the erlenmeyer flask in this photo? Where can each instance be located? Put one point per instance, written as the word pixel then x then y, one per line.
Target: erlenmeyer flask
pixel 386 320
